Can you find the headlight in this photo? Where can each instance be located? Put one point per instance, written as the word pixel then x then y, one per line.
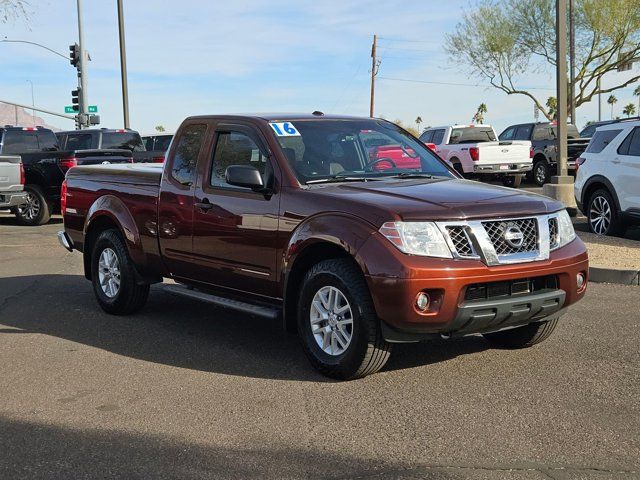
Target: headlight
pixel 566 233
pixel 417 238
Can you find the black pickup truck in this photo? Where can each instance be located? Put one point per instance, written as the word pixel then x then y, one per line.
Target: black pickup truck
pixel 107 138
pixel 542 136
pixel 45 166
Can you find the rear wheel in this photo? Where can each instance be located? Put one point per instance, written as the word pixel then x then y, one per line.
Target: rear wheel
pixel 602 214
pixel 541 173
pixel 522 337
pixel 337 322
pixel 36 211
pixel 113 276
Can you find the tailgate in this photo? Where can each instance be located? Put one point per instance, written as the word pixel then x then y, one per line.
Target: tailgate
pixel 10 173
pixel 504 152
pixel 97 157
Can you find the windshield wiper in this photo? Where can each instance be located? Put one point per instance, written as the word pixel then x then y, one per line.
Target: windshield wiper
pixel 340 178
pixel 412 175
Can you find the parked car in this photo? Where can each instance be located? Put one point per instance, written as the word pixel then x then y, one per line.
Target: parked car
pixel 286 217
pixel 45 166
pixel 105 139
pixel 607 186
pixel 11 182
pixel 543 140
pixel 473 150
pixel 589 130
pixel 158 144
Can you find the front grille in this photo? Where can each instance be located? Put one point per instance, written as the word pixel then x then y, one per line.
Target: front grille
pixel 497 230
pixel 460 239
pixel 510 288
pixel 554 239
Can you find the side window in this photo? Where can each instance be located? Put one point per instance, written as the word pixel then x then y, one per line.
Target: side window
pixel 77 141
pixel 234 148
pixel 623 149
pixel 523 132
pixel 634 147
pixel 438 136
pixel 427 137
pixel 507 134
pixel 600 140
pixel 186 153
pixel 542 132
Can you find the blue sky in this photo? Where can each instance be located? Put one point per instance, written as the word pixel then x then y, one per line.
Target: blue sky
pixel 198 57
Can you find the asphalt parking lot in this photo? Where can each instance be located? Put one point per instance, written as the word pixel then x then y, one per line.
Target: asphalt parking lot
pixel 186 391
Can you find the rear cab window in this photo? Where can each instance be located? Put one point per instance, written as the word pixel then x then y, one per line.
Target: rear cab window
pixel 18 141
pixel 472 135
pixel 601 139
pixel 122 140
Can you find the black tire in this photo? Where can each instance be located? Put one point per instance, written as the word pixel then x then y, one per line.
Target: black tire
pixel 367 351
pixel 130 296
pixel 541 172
pixel 512 181
pixel 609 223
pixel 37 210
pixel 522 337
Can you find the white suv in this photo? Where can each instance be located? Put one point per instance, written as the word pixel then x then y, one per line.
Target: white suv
pixel 607 187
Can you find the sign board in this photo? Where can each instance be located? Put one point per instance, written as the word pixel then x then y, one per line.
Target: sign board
pixel 93 109
pixel 69 109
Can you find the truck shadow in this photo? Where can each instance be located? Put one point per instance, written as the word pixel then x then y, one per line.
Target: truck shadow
pixel 179 332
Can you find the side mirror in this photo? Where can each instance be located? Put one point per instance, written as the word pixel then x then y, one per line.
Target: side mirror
pixel 244 176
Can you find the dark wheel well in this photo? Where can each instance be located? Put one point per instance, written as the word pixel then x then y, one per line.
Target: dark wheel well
pixel 98 225
pixel 310 256
pixel 538 157
pixel 591 189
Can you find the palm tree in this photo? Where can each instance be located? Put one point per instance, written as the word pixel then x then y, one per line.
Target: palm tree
pixel 629 109
pixel 552 105
pixel 612 100
pixel 636 92
pixel 418 122
pixel 479 116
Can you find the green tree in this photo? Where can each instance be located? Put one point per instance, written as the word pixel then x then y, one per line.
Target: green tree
pixel 159 128
pixel 612 100
pixel 478 117
pixel 629 109
pixel 636 92
pixel 503 40
pixel 552 107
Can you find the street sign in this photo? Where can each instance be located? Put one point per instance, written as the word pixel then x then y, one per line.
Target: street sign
pixel 92 109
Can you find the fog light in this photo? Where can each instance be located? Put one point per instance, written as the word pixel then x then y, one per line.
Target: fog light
pixel 580 280
pixel 422 302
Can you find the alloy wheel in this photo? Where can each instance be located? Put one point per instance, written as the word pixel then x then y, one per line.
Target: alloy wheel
pixel 331 320
pixel 600 215
pixel 109 272
pixel 31 208
pixel 541 174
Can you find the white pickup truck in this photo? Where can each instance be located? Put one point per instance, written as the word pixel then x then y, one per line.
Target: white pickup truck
pixel 474 151
pixel 11 182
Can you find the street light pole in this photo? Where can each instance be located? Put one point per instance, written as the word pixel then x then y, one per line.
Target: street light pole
pixel 33 104
pixel 123 66
pixel 572 61
pixel 83 98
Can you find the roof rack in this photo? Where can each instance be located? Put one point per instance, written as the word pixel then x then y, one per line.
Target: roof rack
pixel 628 119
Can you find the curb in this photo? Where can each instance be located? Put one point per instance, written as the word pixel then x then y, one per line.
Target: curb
pixel 614 275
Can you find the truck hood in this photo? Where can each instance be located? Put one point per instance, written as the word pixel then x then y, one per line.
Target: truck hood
pixel 436 199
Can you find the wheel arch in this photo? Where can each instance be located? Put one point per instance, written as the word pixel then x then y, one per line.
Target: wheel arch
pixel 319 238
pixel 593 184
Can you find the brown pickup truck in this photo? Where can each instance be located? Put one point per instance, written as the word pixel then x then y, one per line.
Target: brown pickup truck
pixel 291 217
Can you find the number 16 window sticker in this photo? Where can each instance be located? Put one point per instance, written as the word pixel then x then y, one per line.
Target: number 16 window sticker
pixel 284 129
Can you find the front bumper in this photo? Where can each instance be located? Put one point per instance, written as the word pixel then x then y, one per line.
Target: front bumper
pixel 394 291
pixel 500 168
pixel 12 199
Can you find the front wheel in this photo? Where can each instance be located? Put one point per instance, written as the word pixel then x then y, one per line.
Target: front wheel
pixel 602 214
pixel 36 211
pixel 113 276
pixel 541 173
pixel 337 322
pixel 522 337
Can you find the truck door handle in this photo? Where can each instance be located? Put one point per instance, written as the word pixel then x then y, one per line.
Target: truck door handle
pixel 204 205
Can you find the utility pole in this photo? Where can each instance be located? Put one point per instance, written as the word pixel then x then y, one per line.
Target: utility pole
pixel 572 60
pixel 83 67
pixel 561 186
pixel 33 103
pixel 123 66
pixel 374 67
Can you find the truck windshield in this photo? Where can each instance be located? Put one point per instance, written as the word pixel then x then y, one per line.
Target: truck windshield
pixel 326 150
pixel 472 135
pixel 123 140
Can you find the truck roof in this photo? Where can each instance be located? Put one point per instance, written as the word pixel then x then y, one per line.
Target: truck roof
pixel 270 117
pixel 479 125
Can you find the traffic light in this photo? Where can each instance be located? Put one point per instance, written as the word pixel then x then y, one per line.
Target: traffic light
pixel 75 99
pixel 74 54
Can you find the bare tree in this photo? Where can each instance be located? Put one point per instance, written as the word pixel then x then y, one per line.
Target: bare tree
pixel 13 9
pixel 502 40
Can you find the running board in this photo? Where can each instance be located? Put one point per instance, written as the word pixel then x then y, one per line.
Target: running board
pixel 248 308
